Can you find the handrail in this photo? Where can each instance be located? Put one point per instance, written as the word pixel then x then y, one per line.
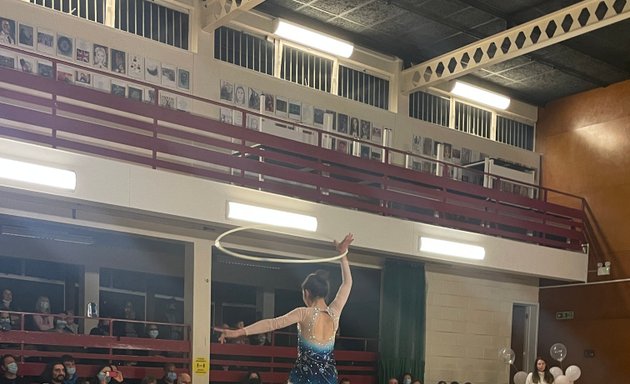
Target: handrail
pixel 73 118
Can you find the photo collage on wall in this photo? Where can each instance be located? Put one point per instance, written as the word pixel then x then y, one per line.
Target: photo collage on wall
pixel 91 56
pixel 353 127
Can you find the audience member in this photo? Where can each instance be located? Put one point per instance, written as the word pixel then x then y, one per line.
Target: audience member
pixel 148 380
pixel 152 331
pixel 9 306
pixel 71 326
pixel 44 321
pixel 170 376
pixel 9 371
pixel 406 378
pixel 172 315
pixel 252 377
pixel 54 373
pixel 392 380
pixel 102 329
pixel 5 321
pixel 344 380
pixel 184 378
pixel 106 374
pixel 243 339
pixel 60 325
pixel 71 369
pixel 127 328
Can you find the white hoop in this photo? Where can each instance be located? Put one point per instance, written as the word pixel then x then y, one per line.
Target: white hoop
pixel 217 243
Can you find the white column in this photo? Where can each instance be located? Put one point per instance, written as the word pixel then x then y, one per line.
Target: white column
pixel 90 294
pixel 197 304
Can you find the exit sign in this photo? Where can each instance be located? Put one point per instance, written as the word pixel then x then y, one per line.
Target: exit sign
pixel 565 315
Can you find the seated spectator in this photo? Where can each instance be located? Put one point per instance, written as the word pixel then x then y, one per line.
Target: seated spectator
pixel 416 381
pixel 102 329
pixel 344 380
pixel 242 339
pixel 406 378
pixel 392 380
pixel 148 380
pixel 170 376
pixel 106 374
pixel 5 321
pixel 127 328
pixel 152 331
pixel 44 321
pixel 71 326
pixel 60 325
pixel 9 370
pixel 54 373
pixel 172 315
pixel 71 369
pixel 184 378
pixel 252 377
pixel 8 306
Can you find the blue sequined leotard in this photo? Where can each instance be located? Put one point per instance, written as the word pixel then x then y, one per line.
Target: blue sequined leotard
pixel 315 363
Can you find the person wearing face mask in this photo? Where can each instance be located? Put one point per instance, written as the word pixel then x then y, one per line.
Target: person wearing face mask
pixel 71 369
pixel 8 305
pixel 406 378
pixel 44 321
pixel 170 376
pixel 252 377
pixel 152 331
pixel 5 321
pixel 9 371
pixel 108 374
pixel 184 378
pixel 54 373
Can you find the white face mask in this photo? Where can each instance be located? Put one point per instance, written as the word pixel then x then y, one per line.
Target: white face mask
pixel 153 333
pixel 6 302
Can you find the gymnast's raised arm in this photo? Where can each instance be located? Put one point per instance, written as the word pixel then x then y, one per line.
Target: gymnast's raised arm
pixel 346 276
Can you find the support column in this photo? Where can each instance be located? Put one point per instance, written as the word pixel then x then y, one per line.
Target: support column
pixel 90 295
pixel 197 305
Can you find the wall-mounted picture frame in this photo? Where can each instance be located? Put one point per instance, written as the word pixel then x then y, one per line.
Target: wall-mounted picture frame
pixel 101 82
pixel 365 133
pixel 119 61
pixel 377 135
pixel 168 100
pixel 307 114
pixel 342 123
pixel 8 59
pixel 169 75
pixel 333 114
pixel 183 79
pixel 295 110
pixel 135 92
pixel 152 71
pixel 65 74
pixel 44 68
pixel 65 46
pixel 83 51
pixel 354 127
pixel 46 41
pixel 226 91
pixel 253 99
pixel 100 56
pixel 27 64
pixel 26 36
pixel 225 115
pixel 7 31
pixel 270 103
pixel 118 88
pixel 184 103
pixel 135 66
pixel 318 117
pixel 240 95
pixel 83 78
pixel 427 146
pixel 282 106
pixel 342 145
pixel 150 96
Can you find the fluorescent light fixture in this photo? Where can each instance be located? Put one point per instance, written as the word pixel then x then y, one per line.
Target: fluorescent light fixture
pixel 270 216
pixel 37 174
pixel 313 39
pixel 452 248
pixel 481 95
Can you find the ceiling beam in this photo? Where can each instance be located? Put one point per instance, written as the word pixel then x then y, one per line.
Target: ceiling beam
pixel 550 29
pixel 215 13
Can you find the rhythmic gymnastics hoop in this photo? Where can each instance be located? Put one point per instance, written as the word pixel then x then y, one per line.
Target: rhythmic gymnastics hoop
pixel 217 243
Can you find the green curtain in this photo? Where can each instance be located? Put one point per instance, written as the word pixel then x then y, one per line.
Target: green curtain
pixel 402 320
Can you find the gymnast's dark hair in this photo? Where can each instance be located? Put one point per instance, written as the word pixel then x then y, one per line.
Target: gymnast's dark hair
pixel 317 283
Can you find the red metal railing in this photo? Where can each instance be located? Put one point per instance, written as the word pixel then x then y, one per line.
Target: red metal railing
pixel 65 116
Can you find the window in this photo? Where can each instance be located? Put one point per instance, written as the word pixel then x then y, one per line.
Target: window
pixel 359 86
pixel 473 120
pixel 431 108
pixel 153 21
pixel 306 68
pixel 243 49
pixel 515 133
pixel 93 10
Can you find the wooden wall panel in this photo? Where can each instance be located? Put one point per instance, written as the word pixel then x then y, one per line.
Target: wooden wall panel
pixel 585 142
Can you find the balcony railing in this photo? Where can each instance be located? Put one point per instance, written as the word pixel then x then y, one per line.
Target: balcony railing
pixel 52 113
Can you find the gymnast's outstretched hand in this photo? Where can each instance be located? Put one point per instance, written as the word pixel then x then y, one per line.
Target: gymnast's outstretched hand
pixel 229 333
pixel 345 243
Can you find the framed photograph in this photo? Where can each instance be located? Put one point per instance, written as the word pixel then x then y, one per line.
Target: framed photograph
pixel 366 151
pixel 237 117
pixel 168 100
pixel 118 88
pixel 184 104
pixel 342 145
pixel 27 64
pixel 318 117
pixel 135 93
pixel 83 78
pixel 65 74
pixel 152 71
pixel 342 123
pixel 427 146
pixel 307 114
pixel 83 51
pixel 366 127
pixel 100 55
pixel 377 154
pixel 377 135
pixel 416 144
pixel 333 114
pixel 119 61
pixel 169 76
pixel 46 41
pixel 226 92
pixel 253 122
pixel 466 155
pixel 225 115
pixel 282 106
pixel 270 103
pixel 65 46
pixel 456 155
pixel 102 83
pixel 253 99
pixel 295 110
pixel 135 66
pixel 240 96
pixel 149 96
pixel 7 31
pixel 447 151
pixel 354 127
pixel 26 36
pixel 8 59
pixel 183 79
pixel 44 68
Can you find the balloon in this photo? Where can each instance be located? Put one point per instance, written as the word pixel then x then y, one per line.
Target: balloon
pixel 506 355
pixel 573 372
pixel 520 377
pixel 555 371
pixel 562 379
pixel 558 351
